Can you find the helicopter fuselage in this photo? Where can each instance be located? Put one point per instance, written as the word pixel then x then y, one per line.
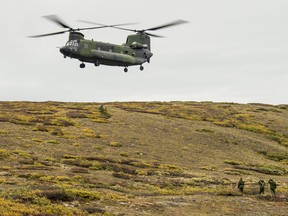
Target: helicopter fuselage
pixel 105 53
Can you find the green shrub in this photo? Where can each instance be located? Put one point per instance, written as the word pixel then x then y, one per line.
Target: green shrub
pixel 231 162
pixel 124 154
pixel 79 170
pixel 41 128
pixel 75 114
pixel 256 128
pixel 4 154
pixel 205 130
pixel 57 132
pixel 62 122
pixel 115 144
pixel 83 194
pixel 57 195
pixel 276 156
pixel 53 141
pixel 4 132
pixel 96 166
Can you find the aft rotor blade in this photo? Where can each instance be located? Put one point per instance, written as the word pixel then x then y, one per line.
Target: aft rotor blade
pixel 49 34
pixel 139 31
pixel 57 20
pixel 176 22
pixel 153 35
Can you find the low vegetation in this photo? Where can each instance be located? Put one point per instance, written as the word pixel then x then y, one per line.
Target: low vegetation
pixel 140 158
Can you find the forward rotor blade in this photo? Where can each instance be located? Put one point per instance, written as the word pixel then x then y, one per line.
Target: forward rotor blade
pixel 57 20
pixel 176 22
pixel 125 29
pixel 89 28
pixel 88 22
pixel 61 32
pixel 49 34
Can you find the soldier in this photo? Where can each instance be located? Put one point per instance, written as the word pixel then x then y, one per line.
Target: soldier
pixel 262 186
pixel 241 185
pixel 273 186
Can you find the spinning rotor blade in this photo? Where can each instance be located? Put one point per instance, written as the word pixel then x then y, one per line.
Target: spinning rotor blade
pixel 144 31
pixel 57 20
pixel 154 35
pixel 104 25
pixel 49 34
pixel 89 28
pixel 70 30
pixel 176 22
pixel 134 30
pixel 138 31
pixel 125 29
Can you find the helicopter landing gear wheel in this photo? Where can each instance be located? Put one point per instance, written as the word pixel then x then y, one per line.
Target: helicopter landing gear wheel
pixel 141 68
pixel 82 65
pixel 97 64
pixel 125 69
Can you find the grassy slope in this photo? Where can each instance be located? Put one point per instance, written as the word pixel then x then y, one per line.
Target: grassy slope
pixel 143 158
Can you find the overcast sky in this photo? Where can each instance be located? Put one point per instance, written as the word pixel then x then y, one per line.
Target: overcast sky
pixel 231 51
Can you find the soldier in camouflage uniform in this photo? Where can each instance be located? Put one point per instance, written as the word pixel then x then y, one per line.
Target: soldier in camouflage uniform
pixel 262 186
pixel 273 186
pixel 241 184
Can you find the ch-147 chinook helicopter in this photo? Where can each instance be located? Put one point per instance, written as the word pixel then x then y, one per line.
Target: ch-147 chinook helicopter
pixel 136 50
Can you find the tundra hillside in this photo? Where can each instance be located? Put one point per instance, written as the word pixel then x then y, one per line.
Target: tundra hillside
pixel 142 158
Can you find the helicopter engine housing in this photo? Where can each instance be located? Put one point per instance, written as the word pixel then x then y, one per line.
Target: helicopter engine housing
pixel 76 36
pixel 139 41
pixel 136 45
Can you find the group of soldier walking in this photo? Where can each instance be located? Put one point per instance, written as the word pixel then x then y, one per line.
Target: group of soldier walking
pixel 261 183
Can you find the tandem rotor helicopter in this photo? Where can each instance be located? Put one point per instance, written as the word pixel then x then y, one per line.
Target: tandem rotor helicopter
pixel 135 51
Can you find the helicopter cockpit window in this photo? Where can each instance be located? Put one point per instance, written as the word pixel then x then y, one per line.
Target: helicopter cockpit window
pixel 72 44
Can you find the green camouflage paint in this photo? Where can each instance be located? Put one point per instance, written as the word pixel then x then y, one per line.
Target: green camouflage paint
pixel 135 51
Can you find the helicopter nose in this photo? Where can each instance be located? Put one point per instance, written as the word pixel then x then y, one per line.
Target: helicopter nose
pixel 63 50
pixel 148 54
